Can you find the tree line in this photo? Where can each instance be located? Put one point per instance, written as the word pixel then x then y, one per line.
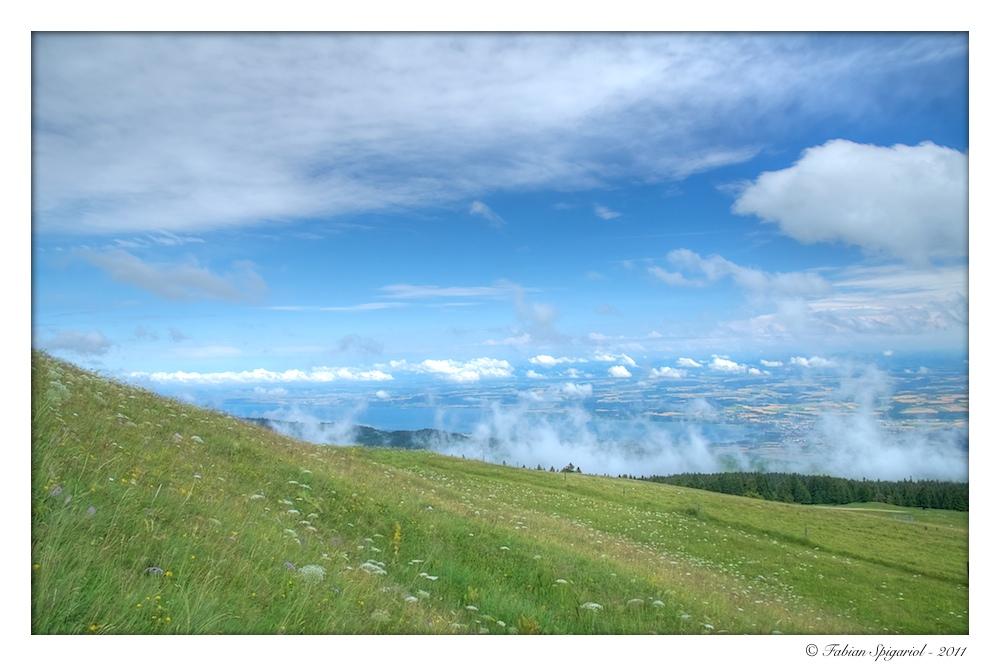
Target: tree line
pixel 822 489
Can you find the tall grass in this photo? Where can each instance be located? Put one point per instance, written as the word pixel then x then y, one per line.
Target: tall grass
pixel 152 516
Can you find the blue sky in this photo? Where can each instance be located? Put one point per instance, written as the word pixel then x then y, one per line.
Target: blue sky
pixel 455 206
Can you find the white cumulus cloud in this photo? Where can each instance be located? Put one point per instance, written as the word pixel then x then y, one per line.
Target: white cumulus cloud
pixel 723 364
pixel 321 374
pixel 571 390
pixel 811 362
pixel 686 362
pixel 666 372
pixel 548 361
pixel 624 359
pixel 619 372
pixel 908 201
pixel 467 371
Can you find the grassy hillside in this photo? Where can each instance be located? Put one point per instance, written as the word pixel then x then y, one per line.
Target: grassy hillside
pixel 152 516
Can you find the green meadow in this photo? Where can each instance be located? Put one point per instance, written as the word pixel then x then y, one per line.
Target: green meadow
pixel 153 516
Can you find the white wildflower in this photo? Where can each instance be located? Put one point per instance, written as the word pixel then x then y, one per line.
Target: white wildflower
pixel 591 606
pixel 312 573
pixel 372 568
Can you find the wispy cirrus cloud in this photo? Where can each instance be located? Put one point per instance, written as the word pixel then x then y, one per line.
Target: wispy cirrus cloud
pixel 209 352
pixel 180 281
pixel 479 209
pixel 159 238
pixel 868 300
pixel 82 343
pixel 605 213
pixel 673 278
pixel 499 289
pixel 357 307
pixel 279 127
pixel 703 270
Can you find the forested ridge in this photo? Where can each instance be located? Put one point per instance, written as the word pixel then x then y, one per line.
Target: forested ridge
pixel 822 489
